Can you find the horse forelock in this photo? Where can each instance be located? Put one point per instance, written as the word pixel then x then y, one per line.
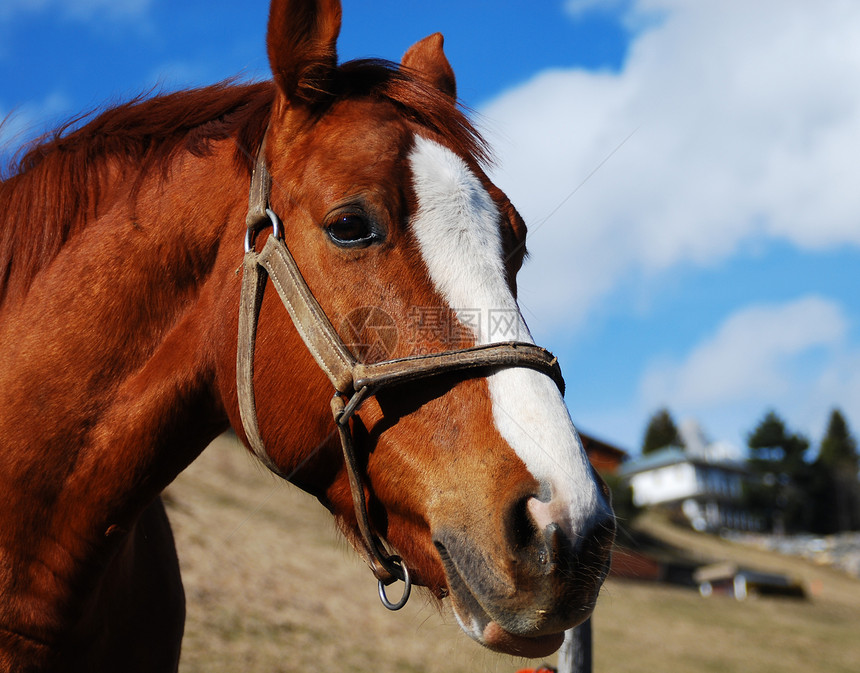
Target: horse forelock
pixel 419 101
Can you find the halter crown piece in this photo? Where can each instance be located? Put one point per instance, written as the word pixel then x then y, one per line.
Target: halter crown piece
pixel 353 381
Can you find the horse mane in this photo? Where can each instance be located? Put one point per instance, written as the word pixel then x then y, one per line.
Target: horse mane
pixel 55 187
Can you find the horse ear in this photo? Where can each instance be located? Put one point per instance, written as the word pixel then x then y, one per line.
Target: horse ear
pixel 302 46
pixel 428 61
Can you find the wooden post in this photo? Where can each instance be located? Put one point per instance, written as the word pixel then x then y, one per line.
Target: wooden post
pixel 575 653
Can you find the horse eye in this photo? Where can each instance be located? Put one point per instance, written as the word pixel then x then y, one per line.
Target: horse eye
pixel 351 229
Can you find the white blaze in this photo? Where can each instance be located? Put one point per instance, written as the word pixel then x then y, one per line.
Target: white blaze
pixel 457 228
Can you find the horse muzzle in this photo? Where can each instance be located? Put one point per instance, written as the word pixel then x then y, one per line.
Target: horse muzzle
pixel 520 599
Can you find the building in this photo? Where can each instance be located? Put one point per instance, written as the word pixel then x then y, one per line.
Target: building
pixel 605 458
pixel 702 481
pixel 729 579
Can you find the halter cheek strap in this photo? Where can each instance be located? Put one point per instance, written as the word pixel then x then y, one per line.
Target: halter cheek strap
pixel 353 381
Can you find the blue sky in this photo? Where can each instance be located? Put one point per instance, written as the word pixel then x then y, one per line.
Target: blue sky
pixel 688 172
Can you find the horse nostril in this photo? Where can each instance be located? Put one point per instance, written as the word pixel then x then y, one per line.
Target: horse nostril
pixel 521 528
pixel 538 537
pixel 533 533
pixel 557 546
pixel 553 539
pixel 545 514
pixel 532 524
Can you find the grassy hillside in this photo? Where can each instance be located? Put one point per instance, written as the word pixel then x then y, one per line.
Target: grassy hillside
pixel 272 587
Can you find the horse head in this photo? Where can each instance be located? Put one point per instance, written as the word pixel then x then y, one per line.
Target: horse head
pixel 478 481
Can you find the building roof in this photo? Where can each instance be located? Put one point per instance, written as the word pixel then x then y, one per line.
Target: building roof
pixel 671 455
pixel 674 455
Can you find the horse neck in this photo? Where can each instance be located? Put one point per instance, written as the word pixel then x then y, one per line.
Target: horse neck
pixel 106 383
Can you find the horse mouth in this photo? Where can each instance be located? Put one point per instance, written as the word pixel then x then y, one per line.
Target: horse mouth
pixel 526 640
pixel 499 640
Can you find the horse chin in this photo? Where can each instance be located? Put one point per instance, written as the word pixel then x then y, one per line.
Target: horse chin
pixel 481 628
pixel 499 640
pixel 531 630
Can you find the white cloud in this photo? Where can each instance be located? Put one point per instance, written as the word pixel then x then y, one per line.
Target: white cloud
pixel 838 385
pixel 78 9
pixel 12 6
pixel 577 7
pixel 794 357
pixel 22 124
pixel 172 75
pixel 746 123
pixel 750 358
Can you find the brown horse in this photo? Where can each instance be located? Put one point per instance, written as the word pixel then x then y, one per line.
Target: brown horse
pixel 120 272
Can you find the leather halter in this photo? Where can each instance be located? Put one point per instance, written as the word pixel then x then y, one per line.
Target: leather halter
pixel 353 381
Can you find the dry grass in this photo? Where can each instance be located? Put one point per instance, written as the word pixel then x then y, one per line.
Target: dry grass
pixel 653 627
pixel 272 587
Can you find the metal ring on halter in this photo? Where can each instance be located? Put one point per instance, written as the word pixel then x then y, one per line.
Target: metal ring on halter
pixel 251 232
pixel 407 589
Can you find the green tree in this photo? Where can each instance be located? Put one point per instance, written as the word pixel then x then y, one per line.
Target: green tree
pixel 836 484
pixel 779 490
pixel 839 448
pixel 771 445
pixel 661 432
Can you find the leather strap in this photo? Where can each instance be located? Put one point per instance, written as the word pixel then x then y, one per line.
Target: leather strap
pixel 258 195
pixel 251 300
pixel 253 286
pixel 338 363
pixel 308 316
pixel 488 357
pixel 353 381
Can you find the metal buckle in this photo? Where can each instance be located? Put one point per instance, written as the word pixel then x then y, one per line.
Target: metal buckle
pixel 260 224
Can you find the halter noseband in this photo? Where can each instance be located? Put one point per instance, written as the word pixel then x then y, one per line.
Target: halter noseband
pixel 353 381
